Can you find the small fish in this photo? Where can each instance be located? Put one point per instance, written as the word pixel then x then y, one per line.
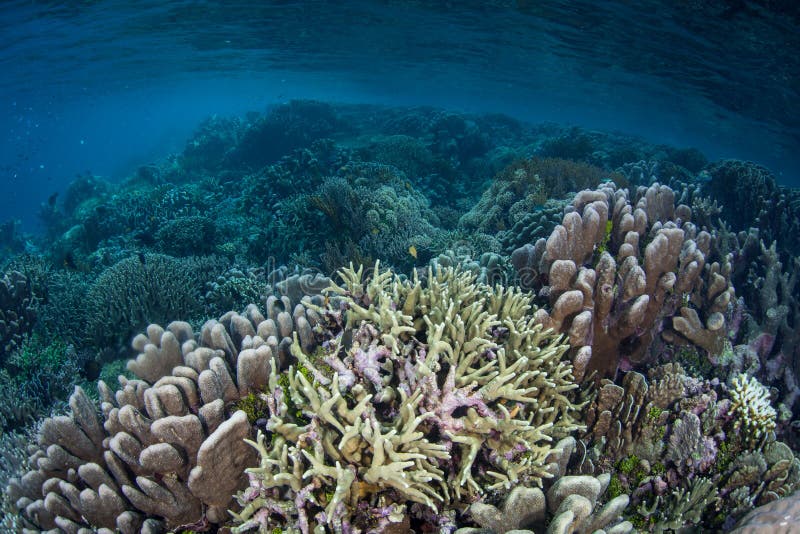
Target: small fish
pixel 69 261
pixel 51 200
pixel 413 251
pixel 142 258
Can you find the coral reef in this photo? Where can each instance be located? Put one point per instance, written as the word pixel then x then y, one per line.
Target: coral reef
pixel 36 376
pixel 168 449
pixel 286 127
pixel 17 311
pixel 686 450
pixel 422 397
pixel 750 401
pixel 778 517
pixel 571 504
pixel 137 291
pixel 751 198
pixel 621 271
pixel 371 210
pixel 525 185
pixel 434 396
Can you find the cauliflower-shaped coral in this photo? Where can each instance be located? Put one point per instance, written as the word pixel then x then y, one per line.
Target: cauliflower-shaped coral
pixel 751 403
pixel 422 397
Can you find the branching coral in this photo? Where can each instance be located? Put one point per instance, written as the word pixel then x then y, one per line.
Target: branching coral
pixel 135 292
pixel 17 311
pixel 751 403
pixel 424 396
pixel 570 505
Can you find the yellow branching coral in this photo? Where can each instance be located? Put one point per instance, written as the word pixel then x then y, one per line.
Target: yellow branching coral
pixel 751 403
pixel 424 395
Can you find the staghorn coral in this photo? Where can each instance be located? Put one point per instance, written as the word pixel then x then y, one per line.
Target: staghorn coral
pixel 167 450
pixel 621 269
pixel 681 508
pixel 423 397
pixel 768 336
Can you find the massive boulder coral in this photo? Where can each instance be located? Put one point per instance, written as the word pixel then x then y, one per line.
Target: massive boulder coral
pixel 168 449
pixel 423 397
pixel 623 269
pixel 777 517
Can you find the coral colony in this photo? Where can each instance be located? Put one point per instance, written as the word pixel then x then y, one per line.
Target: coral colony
pixel 410 327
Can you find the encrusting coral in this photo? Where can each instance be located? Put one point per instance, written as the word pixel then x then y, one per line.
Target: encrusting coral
pixel 422 397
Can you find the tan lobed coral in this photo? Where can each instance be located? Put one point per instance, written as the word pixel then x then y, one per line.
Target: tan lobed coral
pixel 621 268
pixel 168 449
pixel 425 397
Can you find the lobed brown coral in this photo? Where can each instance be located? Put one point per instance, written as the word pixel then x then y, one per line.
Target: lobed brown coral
pixel 622 268
pixel 168 449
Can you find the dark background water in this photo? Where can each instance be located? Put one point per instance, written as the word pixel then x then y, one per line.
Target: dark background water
pixel 108 85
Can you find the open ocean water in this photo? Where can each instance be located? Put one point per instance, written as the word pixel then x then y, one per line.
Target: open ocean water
pixel 387 266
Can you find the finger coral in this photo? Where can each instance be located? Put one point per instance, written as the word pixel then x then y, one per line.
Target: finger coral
pixel 621 269
pixel 421 398
pixel 168 449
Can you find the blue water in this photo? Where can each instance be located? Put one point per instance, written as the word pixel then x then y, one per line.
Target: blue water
pixel 108 86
